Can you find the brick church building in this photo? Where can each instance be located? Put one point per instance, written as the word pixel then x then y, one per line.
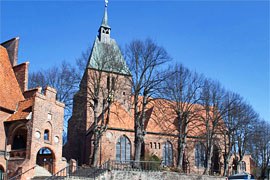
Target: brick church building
pixel 31 122
pixel 117 143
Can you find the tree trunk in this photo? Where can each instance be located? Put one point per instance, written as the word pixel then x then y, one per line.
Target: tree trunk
pixel 226 164
pixel 181 150
pixel 139 137
pixel 208 159
pixel 96 137
pixel 263 172
pixel 95 151
pixel 138 147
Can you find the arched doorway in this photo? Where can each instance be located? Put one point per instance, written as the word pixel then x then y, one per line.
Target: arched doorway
pixel 2 173
pixel 46 159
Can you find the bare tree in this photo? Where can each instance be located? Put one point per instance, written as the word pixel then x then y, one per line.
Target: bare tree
pixel 144 60
pixel 64 78
pixel 247 118
pixel 259 146
pixel 213 108
pixel 230 118
pixel 182 88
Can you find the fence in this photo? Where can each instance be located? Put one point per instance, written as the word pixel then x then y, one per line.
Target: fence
pixel 77 171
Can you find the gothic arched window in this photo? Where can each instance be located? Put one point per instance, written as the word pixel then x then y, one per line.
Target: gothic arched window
pixel 199 155
pixel 167 154
pixel 123 149
pixel 243 166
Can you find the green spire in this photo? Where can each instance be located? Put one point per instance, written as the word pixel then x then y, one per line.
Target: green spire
pixel 105 19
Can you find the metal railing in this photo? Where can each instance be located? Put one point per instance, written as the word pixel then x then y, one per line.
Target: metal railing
pixel 62 173
pixel 20 175
pixel 130 165
pixel 72 171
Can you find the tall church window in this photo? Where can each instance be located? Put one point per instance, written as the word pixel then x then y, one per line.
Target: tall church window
pixel 123 149
pixel 199 155
pixel 243 166
pixel 167 154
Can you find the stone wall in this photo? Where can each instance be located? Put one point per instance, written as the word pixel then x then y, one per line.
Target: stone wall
pixel 135 175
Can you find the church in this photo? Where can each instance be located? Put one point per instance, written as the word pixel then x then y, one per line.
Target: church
pixel 107 66
pixel 31 120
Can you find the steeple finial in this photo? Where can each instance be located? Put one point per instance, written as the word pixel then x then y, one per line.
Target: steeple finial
pixel 105 17
pixel 105 29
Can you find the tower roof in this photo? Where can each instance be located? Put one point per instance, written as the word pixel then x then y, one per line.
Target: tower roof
pixel 106 54
pixel 107 57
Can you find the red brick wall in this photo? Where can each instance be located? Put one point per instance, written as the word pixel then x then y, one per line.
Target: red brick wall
pixel 77 127
pixel 21 73
pixel 48 114
pixel 122 92
pixel 77 146
pixel 3 116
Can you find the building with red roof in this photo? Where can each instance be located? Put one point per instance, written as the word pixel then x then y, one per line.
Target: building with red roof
pixel 31 123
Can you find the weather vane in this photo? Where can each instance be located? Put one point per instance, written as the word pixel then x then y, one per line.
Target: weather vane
pixel 106 3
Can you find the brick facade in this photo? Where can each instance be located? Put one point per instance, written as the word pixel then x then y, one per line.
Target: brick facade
pixel 21 73
pixel 46 114
pixel 160 125
pixel 246 165
pixel 31 120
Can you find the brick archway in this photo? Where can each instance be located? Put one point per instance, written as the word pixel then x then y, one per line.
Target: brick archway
pixel 19 136
pixel 46 159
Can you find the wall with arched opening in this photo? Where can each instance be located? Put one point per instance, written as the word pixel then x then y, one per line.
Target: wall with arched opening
pixel 123 149
pixel 17 140
pixel 167 154
pixel 19 137
pixel 45 158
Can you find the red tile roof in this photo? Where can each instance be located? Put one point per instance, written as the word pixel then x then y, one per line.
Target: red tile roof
pixel 160 118
pixel 10 92
pixel 23 110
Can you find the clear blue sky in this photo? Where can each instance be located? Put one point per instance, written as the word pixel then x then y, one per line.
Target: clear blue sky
pixel 225 40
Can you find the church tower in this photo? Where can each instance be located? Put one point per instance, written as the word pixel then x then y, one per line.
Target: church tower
pixel 107 76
